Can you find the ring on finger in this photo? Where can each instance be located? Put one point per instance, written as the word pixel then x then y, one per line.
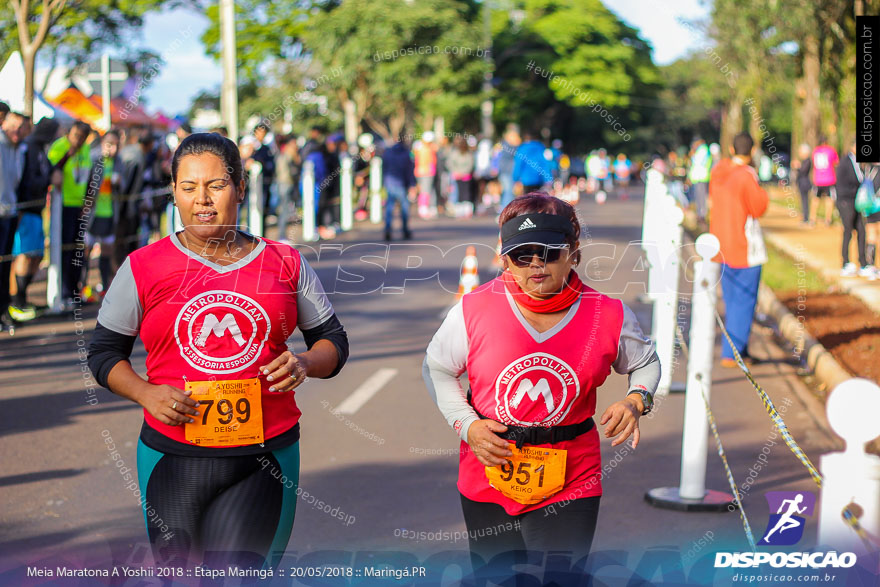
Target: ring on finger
pixel 174 406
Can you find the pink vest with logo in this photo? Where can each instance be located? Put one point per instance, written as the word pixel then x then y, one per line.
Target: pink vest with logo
pixel 521 382
pixel 201 324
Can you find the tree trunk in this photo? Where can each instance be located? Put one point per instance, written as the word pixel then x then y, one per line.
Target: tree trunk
pixel 731 122
pixel 28 57
pixel 755 123
pixel 352 124
pixel 811 122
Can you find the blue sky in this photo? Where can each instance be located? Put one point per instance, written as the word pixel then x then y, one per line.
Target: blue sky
pixel 188 70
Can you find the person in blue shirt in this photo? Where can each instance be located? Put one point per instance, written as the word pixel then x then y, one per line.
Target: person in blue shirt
pixel 531 170
pixel 398 175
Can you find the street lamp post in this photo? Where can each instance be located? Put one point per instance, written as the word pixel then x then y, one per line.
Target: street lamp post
pixel 487 107
pixel 229 93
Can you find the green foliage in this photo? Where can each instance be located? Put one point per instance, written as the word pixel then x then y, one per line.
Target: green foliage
pixel 264 29
pixel 82 28
pixel 588 56
pixel 398 59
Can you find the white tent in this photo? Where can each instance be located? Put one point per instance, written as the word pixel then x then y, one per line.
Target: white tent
pixel 12 89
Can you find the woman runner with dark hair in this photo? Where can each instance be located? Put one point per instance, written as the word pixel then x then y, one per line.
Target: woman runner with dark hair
pixel 218 456
pixel 536 343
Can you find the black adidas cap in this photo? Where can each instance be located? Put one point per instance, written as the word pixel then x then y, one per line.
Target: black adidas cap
pixel 538 228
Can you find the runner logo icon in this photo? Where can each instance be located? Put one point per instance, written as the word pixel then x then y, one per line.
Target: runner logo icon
pixel 786 525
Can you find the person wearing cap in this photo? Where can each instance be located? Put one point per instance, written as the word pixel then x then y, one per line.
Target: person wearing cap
pixel 536 343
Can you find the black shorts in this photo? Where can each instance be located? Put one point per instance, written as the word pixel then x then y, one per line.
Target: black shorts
pixel 825 191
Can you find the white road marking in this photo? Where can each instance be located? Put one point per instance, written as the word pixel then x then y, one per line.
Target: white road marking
pixel 365 391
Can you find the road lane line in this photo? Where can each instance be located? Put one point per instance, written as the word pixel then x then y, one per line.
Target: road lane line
pixel 365 391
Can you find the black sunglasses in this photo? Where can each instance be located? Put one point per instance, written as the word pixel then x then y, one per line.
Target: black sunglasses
pixel 522 256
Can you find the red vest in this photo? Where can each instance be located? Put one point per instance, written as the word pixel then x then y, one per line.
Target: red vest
pixel 202 324
pixel 518 381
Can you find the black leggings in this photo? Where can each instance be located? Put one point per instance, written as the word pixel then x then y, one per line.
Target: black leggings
pixel 852 220
pixel 219 511
pixel 493 532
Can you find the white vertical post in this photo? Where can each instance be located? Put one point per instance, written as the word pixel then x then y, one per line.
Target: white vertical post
pixel 346 213
pixel 691 494
pixel 53 285
pixel 255 200
pixel 668 243
pixel 852 477
pixel 229 86
pixel 105 91
pixel 308 201
pixel 695 438
pixel 376 190
pixel 655 189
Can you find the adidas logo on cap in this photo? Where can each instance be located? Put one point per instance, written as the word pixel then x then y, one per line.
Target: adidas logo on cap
pixel 527 223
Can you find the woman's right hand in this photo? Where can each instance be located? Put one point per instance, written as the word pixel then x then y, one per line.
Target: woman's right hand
pixel 169 405
pixel 489 449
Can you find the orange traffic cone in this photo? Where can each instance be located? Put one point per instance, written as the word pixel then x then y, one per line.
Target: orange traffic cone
pixel 470 278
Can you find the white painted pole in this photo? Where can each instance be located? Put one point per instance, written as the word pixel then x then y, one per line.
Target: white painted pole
pixel 105 91
pixel 346 212
pixel 655 189
pixel 255 200
pixel 852 477
pixel 695 438
pixel 53 285
pixel 376 190
pixel 308 202
pixel 666 300
pixel 229 86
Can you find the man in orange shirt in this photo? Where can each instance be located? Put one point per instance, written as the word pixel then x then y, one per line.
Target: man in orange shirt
pixel 735 196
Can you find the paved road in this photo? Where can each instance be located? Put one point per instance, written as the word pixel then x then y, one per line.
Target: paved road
pixel 391 464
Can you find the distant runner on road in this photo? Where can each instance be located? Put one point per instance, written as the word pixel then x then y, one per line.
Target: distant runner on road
pixel 218 456
pixel 536 343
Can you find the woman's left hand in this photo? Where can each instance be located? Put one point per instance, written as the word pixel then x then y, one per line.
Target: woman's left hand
pixel 623 420
pixel 286 372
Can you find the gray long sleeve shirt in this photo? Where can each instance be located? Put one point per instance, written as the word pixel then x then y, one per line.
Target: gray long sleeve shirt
pixel 11 166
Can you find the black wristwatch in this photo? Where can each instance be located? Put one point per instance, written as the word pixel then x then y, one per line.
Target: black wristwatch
pixel 647 398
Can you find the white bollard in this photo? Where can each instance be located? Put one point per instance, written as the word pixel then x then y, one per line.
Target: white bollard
pixel 53 285
pixel 665 255
pixel 255 199
pixel 376 190
pixel 308 202
pixel 346 213
pixel 655 189
pixel 852 477
pixel 695 439
pixel 691 494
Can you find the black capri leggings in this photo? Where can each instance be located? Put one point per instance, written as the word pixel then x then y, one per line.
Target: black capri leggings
pixel 219 511
pixel 492 531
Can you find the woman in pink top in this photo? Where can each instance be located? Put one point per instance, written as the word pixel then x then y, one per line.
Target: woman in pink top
pixel 824 161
